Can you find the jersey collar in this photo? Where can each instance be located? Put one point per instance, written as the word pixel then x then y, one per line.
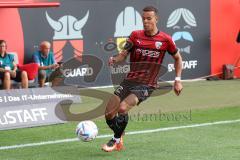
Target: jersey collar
pixel 4 55
pixel 152 35
pixel 43 55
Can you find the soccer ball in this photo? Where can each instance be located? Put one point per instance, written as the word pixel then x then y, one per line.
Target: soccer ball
pixel 86 131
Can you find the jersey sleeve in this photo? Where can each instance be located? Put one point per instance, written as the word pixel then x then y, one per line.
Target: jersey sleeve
pixel 172 48
pixel 130 43
pixel 11 57
pixel 53 59
pixel 36 59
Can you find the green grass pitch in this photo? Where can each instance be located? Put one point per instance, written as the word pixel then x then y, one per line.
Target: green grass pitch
pixel 200 102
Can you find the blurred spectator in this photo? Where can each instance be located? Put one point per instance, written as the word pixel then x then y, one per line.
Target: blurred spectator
pixel 9 70
pixel 47 64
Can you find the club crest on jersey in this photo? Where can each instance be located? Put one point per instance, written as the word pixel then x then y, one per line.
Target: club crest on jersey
pixel 158 45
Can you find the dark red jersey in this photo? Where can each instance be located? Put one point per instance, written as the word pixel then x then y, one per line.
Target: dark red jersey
pixel 146 56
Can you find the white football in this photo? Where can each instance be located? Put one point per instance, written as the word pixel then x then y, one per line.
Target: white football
pixel 87 131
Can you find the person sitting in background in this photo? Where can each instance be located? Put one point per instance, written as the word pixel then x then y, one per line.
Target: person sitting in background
pixel 8 69
pixel 46 61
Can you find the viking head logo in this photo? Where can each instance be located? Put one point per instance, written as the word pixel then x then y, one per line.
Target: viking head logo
pixel 127 21
pixel 67 28
pixel 189 21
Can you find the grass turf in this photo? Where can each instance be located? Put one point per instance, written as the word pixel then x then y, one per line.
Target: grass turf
pixel 196 105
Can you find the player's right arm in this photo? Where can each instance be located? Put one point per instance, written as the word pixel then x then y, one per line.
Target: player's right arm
pixel 36 59
pixel 122 55
pixel 118 58
pixel 52 66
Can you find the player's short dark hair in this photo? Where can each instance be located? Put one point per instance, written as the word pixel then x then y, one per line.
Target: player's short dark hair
pixel 150 8
pixel 2 41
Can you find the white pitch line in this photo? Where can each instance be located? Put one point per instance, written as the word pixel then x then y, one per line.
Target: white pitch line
pixel 128 133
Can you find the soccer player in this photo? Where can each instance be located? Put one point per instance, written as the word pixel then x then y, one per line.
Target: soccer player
pixel 146 55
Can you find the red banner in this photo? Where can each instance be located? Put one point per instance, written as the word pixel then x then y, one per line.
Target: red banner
pixel 225 25
pixel 12 32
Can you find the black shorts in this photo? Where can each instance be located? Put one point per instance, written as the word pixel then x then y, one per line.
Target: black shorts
pixel 127 87
pixel 18 77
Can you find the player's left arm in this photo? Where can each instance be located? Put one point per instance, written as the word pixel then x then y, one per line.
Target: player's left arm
pixel 178 70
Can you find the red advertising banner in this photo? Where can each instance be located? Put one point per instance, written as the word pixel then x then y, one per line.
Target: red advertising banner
pixel 28 3
pixel 225 25
pixel 12 32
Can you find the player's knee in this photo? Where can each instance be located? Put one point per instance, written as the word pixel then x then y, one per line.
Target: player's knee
pixel 42 74
pixel 123 107
pixel 7 76
pixel 24 75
